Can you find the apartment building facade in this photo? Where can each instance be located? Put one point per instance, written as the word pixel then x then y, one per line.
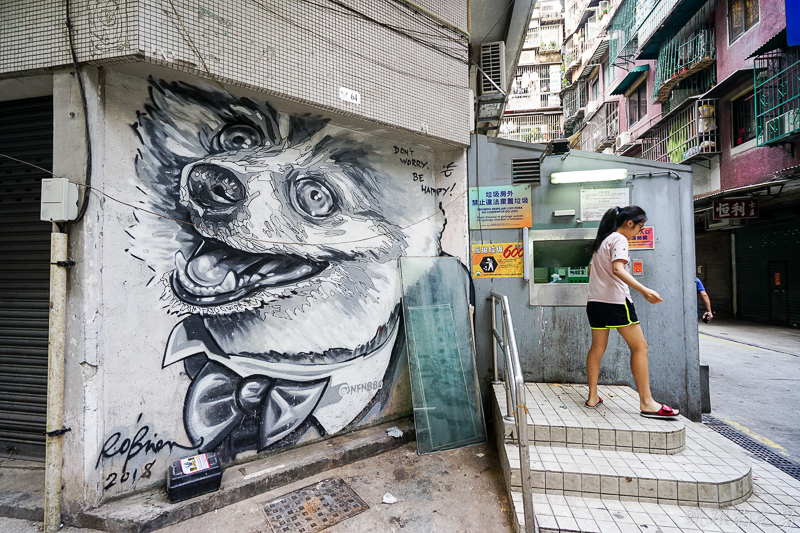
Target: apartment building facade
pixel 708 84
pixel 533 112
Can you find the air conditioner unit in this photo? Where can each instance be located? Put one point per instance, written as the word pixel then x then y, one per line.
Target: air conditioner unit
pixel 526 58
pixel 493 64
pixel 622 139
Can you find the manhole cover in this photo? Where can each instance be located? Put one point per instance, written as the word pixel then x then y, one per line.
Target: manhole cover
pixel 314 508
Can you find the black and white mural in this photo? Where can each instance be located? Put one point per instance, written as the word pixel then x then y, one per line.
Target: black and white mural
pixel 278 250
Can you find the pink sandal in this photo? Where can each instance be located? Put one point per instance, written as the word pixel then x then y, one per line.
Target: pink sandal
pixel 666 412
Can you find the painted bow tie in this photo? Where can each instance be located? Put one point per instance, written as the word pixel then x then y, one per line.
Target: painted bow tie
pixel 219 401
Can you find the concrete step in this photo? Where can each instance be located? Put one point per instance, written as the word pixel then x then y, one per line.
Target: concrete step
pixel 589 454
pixel 21 489
pixel 772 508
pixel 147 511
pixel 557 416
pixel 715 479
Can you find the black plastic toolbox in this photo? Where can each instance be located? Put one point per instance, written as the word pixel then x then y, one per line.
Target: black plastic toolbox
pixel 193 476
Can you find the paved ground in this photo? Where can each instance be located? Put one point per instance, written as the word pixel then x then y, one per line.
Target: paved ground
pixel 448 492
pixel 754 377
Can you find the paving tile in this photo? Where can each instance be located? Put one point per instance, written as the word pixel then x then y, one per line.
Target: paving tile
pixel 771 503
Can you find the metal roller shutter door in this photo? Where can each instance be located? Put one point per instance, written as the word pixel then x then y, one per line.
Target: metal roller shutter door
pixel 713 252
pixel 756 246
pixel 26 133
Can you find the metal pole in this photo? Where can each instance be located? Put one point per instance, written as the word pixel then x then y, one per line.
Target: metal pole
pixel 510 382
pixel 494 340
pixel 55 383
pixel 734 284
pixel 524 457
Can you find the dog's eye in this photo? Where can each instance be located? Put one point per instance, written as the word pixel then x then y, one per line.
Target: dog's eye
pixel 314 197
pixel 238 137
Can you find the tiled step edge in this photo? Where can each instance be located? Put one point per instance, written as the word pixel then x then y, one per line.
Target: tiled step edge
pixel 729 490
pixel 559 514
pixel 656 440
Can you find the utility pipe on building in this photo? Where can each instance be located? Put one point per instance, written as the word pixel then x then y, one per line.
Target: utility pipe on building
pixel 55 381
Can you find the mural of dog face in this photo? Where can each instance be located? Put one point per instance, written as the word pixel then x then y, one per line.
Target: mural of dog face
pixel 281 246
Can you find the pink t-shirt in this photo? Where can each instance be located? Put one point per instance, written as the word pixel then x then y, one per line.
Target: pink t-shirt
pixel 604 286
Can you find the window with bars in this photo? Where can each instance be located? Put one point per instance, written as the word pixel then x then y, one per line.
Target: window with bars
pixel 609 73
pixel 637 104
pixel 744 119
pixel 742 15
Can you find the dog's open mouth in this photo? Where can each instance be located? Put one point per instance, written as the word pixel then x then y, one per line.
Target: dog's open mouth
pixel 217 274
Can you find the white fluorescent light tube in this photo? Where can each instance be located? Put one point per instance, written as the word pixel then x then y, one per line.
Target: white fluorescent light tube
pixel 581 176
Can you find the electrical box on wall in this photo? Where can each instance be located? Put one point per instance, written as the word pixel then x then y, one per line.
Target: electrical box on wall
pixel 59 200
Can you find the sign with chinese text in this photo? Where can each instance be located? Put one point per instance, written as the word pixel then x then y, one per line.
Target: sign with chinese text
pixel 502 260
pixel 500 207
pixel 735 208
pixel 646 240
pixel 595 202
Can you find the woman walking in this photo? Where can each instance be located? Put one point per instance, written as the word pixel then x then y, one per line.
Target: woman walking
pixel 610 307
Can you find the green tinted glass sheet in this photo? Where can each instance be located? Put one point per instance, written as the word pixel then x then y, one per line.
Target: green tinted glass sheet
pixel 444 383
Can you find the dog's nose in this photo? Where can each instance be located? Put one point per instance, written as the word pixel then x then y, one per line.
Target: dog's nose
pixel 215 188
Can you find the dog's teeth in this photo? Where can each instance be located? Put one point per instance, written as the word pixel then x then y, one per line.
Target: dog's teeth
pixel 229 283
pixel 180 261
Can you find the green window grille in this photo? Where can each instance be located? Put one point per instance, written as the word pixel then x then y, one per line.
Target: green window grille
pixel 777 96
pixel 622 35
pixel 687 135
pixel 694 85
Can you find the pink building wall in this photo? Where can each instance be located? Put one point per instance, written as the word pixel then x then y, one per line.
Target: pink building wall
pixel 757 164
pixel 733 56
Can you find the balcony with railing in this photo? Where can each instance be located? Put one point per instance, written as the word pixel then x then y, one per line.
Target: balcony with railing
pixel 622 34
pixel 601 128
pixel 532 38
pixel 695 85
pixel 574 101
pixel 666 18
pixel 687 134
pixel 687 53
pixel 531 128
pixel 777 97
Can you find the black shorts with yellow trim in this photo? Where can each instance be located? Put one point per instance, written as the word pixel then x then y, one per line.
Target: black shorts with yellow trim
pixel 608 316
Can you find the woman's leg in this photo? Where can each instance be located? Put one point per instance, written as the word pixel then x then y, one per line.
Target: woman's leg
pixel 635 338
pixel 599 343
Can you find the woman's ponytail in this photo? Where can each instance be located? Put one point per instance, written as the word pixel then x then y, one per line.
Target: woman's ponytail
pixel 614 218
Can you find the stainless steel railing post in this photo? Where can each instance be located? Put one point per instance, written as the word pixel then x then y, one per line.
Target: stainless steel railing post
pixel 515 396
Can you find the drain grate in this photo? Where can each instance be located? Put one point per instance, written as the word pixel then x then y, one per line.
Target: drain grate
pixel 753 446
pixel 314 508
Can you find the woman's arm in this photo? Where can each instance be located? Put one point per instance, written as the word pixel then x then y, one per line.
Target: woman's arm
pixel 622 273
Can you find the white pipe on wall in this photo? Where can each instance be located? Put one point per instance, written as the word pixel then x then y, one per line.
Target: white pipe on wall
pixel 526 251
pixel 55 382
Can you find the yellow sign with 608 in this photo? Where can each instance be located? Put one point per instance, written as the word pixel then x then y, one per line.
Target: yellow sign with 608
pixel 502 260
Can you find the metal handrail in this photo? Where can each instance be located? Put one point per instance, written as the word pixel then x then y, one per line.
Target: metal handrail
pixel 515 397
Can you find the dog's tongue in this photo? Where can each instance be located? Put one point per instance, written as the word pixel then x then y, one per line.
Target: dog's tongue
pixel 211 266
pixel 217 274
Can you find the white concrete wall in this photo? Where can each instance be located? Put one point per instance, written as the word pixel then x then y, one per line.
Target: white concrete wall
pixel 409 69
pixel 136 337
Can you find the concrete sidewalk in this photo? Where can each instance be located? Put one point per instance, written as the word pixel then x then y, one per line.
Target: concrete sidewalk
pixel 778 339
pixel 457 491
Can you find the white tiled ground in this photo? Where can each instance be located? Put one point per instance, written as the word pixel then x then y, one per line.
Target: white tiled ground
pixel 773 507
pixel 704 482
pixel 557 416
pixel 711 471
